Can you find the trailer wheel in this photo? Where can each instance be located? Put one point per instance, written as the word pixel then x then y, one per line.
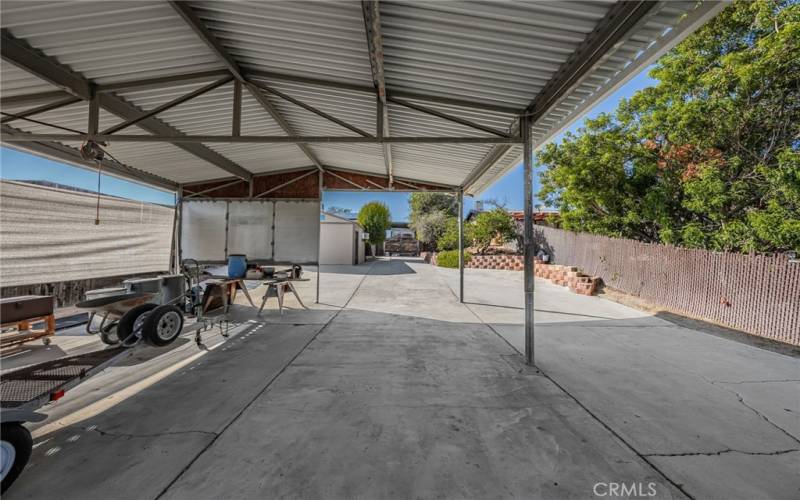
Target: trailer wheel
pixel 162 325
pixel 15 450
pixel 128 324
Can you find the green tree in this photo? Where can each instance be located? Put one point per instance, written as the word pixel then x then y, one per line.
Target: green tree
pixel 709 157
pixel 428 215
pixel 429 227
pixel 376 219
pixel 495 225
pixel 449 238
pixel 422 203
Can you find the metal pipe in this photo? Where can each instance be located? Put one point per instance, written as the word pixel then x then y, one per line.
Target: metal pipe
pixel 525 129
pixel 461 245
pixel 319 234
pixel 256 139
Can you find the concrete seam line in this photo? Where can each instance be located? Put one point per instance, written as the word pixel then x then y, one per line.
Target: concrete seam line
pixel 679 487
pixel 264 389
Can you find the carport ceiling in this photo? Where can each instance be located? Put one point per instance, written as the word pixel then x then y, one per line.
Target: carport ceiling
pixel 185 92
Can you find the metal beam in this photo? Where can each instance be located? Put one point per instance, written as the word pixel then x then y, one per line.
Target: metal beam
pixel 348 181
pixel 236 123
pixel 23 56
pixel 278 117
pixel 123 109
pixel 257 139
pixel 42 109
pixel 287 183
pixel 37 98
pixel 210 190
pixel 462 102
pixel 70 155
pixel 26 58
pixel 372 26
pixel 168 105
pixel 194 22
pixel 596 47
pixel 314 110
pixel 449 117
pixel 525 130
pixel 162 81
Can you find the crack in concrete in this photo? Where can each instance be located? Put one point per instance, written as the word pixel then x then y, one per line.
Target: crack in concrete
pixel 764 417
pixel 754 381
pixel 721 452
pixel 155 434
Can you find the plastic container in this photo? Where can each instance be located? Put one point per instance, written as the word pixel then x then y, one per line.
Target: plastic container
pixel 237 266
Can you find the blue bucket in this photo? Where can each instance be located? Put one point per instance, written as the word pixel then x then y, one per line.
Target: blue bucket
pixel 237 266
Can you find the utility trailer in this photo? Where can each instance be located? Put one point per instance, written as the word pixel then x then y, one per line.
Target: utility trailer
pixel 25 390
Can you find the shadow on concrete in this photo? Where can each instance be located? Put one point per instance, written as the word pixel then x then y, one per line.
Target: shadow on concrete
pixel 730 334
pixel 372 401
pixel 395 266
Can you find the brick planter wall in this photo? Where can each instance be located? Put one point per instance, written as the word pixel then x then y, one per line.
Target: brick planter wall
pixel 503 262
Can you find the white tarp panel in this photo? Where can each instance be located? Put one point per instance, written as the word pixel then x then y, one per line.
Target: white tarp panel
pixel 212 230
pixel 296 231
pixel 48 235
pixel 203 230
pixel 250 229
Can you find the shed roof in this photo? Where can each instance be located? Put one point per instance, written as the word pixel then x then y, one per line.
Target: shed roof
pixel 244 88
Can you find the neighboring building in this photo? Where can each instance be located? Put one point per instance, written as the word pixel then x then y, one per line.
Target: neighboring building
pixel 341 240
pixel 540 217
pixel 399 229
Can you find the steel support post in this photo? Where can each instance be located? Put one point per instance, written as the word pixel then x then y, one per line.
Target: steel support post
pixel 319 236
pixel 525 131
pixel 179 230
pixel 460 195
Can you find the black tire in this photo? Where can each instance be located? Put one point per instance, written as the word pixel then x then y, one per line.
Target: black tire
pixel 162 325
pixel 19 438
pixel 128 320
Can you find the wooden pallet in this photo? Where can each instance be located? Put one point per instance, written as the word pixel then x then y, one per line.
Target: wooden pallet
pixel 24 332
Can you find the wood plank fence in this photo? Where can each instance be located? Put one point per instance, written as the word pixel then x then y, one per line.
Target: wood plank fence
pixel 758 294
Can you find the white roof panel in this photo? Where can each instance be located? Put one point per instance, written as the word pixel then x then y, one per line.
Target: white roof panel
pixel 457 58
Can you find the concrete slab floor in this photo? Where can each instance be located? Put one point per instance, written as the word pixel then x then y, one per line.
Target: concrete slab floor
pixel 391 388
pixel 718 416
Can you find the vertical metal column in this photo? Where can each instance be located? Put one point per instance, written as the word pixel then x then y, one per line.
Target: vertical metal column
pixel 179 230
pixel 525 131
pixel 460 195
pixel 319 231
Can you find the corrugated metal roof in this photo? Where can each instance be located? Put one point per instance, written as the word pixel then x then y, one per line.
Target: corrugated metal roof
pixel 492 53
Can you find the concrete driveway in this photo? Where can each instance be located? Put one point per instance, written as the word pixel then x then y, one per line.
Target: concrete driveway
pixel 392 388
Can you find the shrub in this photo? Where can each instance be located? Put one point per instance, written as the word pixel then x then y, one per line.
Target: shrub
pixel 449 238
pixel 495 225
pixel 449 258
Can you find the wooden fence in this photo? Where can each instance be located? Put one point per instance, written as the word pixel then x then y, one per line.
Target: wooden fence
pixel 758 294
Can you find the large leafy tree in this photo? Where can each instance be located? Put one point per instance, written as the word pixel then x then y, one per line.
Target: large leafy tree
pixel 376 219
pixel 430 214
pixel 710 156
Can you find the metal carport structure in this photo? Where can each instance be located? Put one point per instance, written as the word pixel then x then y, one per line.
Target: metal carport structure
pixel 244 99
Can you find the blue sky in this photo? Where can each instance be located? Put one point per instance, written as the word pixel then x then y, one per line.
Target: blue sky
pixel 22 166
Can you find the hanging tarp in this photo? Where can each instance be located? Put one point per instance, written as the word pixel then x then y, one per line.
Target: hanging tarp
pixel 263 230
pixel 49 235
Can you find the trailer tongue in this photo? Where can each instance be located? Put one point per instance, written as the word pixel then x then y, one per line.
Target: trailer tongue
pixel 25 390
